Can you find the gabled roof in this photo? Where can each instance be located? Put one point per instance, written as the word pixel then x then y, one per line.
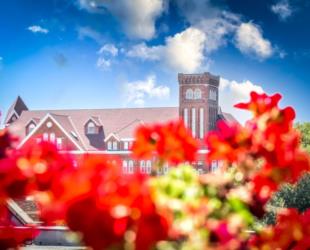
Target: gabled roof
pixel 65 125
pixel 17 107
pixel 121 122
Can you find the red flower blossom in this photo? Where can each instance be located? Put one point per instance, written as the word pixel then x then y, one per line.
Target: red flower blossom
pixel 260 103
pixel 229 142
pixel 118 207
pixel 170 142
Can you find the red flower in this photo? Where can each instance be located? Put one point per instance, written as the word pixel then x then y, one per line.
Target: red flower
pixel 260 103
pixel 6 141
pixel 115 207
pixel 229 142
pixel 170 142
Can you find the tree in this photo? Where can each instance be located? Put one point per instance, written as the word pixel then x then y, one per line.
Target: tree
pixel 304 129
pixel 289 196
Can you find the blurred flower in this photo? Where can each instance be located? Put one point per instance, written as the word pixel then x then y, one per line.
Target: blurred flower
pixel 170 142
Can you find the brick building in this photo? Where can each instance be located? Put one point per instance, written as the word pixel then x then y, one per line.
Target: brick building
pixel 110 131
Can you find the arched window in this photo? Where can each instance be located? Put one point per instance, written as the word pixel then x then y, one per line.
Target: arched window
pixel 91 128
pixel 213 94
pixel 31 127
pixel 109 145
pixel 189 94
pixel 197 94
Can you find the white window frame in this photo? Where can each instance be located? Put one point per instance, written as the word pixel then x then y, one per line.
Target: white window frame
pixel 59 143
pixel 126 145
pixel 201 123
pixel 189 94
pixel 114 145
pixel 148 166
pixel 142 166
pixel 130 167
pixel 197 94
pixel 109 145
pixel 30 127
pixel 52 137
pixel 185 116
pixel 194 122
pixel 213 94
pixel 125 167
pixel 91 128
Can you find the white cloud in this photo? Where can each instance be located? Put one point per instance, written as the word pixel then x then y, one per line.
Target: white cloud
pixel 182 52
pixel 87 32
pixel 233 92
pixel 103 63
pixel 250 41
pixel 136 16
pixel 218 29
pixel 108 48
pixel 144 52
pixel 138 91
pixel 282 9
pixel 185 51
pixel 37 29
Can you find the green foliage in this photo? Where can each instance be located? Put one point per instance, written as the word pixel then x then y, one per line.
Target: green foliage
pixel 290 196
pixel 304 128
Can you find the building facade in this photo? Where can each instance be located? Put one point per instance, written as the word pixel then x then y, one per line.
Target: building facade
pixel 111 131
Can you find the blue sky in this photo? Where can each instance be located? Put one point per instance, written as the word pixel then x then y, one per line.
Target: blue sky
pixel 59 54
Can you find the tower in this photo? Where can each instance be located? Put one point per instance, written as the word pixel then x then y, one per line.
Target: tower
pixel 198 102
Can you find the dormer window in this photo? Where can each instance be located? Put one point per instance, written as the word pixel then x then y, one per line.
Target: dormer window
pixel 115 145
pixel 189 94
pixel 109 145
pixel 197 94
pixel 30 127
pixel 91 128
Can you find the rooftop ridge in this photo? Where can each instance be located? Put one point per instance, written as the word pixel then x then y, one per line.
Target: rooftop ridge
pixel 81 109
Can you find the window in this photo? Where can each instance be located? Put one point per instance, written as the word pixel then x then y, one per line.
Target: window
pixel 201 123
pixel 197 94
pixel 126 145
pixel 115 145
pixel 189 94
pixel 125 167
pixel 59 143
pixel 52 137
pixel 213 94
pixel 91 128
pixel 194 122
pixel 45 137
pixel 148 167
pixel 130 167
pixel 31 127
pixel 109 145
pixel 214 165
pixel 142 167
pixel 185 116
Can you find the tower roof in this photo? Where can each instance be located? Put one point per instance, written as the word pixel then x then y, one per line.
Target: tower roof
pixel 17 108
